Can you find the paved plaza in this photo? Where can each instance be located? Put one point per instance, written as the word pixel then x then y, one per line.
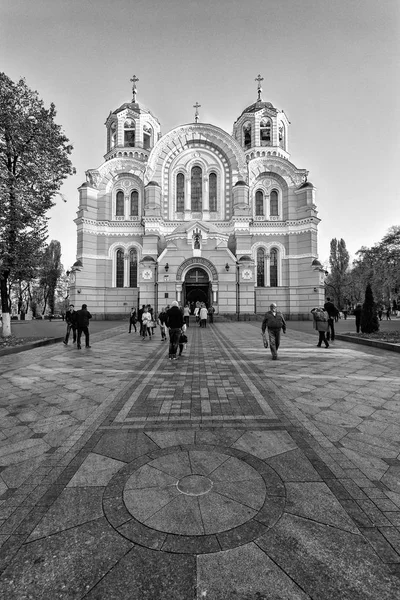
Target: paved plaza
pixel 222 475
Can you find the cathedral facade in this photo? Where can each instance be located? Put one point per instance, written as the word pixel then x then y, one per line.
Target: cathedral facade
pixel 197 214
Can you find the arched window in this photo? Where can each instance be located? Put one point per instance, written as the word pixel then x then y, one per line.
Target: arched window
pixel 273 204
pixel 120 269
pixel 273 268
pixel 265 132
pixel 260 267
pixel 147 131
pixel 247 135
pixel 180 192
pixel 212 191
pixel 281 135
pixel 132 268
pixel 113 135
pixel 119 204
pixel 196 189
pixel 129 133
pixel 259 203
pixel 134 203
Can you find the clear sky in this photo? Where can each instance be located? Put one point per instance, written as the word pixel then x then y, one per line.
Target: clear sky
pixel 332 65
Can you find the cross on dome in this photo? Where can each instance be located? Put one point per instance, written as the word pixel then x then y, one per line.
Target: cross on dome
pixel 196 114
pixel 134 80
pixel 259 88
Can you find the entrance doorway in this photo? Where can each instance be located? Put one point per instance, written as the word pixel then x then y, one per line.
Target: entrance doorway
pixel 196 287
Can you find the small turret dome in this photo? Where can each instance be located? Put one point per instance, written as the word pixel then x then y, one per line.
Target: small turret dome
pixel 306 184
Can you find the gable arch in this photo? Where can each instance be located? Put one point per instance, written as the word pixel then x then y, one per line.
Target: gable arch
pixel 197 262
pixel 192 136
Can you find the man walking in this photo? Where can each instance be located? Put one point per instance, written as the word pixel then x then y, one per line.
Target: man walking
pixel 332 313
pixel 82 322
pixel 175 324
pixel 70 317
pixel 275 322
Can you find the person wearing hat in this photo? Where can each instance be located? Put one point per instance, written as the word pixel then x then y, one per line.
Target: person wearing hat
pixel 274 322
pixel 82 324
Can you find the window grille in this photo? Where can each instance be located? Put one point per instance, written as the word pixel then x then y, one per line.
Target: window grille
pixel 196 189
pixel 260 267
pixel 265 133
pixel 120 269
pixel 119 204
pixel 134 203
pixel 273 268
pixel 212 187
pixel 273 206
pixel 180 192
pixel 129 133
pixel 259 203
pixel 133 268
pixel 247 136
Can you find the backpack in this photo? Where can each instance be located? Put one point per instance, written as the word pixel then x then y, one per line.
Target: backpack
pixel 321 315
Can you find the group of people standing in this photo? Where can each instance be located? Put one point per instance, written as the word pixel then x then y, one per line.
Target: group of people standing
pixel 78 323
pixel 171 319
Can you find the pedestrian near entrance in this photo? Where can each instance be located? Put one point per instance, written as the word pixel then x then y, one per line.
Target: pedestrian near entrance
pixel 333 313
pixel 321 324
pixel 162 321
pixel 82 322
pixel 186 314
pixel 70 318
pixel 175 324
pixel 211 311
pixel 203 316
pixel 275 323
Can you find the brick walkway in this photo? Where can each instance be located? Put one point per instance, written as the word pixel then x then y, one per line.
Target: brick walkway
pixel 222 475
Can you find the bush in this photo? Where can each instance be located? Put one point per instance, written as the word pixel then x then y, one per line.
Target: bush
pixel 369 315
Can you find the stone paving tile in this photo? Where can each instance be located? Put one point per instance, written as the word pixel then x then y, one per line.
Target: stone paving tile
pixel 325 446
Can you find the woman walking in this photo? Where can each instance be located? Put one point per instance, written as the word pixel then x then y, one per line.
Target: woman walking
pixel 321 324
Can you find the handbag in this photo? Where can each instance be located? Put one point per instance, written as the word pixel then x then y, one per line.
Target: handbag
pixel 265 340
pixel 183 339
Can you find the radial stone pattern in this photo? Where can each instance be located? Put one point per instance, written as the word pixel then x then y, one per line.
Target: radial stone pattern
pixel 168 499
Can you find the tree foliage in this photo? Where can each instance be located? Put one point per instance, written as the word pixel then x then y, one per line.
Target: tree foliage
pixel 338 280
pixel 380 266
pixel 50 273
pixel 34 161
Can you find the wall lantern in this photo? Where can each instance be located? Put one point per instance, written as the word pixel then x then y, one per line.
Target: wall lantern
pixel 227 267
pixel 166 266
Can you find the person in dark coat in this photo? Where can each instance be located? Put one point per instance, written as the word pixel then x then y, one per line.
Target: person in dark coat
pixel 174 324
pixel 274 322
pixel 70 318
pixel 132 320
pixel 333 313
pixel 82 323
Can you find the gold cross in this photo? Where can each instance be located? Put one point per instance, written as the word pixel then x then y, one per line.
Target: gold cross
pixel 196 114
pixel 134 80
pixel 259 88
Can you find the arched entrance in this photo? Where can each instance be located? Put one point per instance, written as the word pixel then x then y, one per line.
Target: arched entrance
pixel 197 287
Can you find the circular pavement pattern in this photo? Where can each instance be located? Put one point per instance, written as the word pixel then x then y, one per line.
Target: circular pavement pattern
pixel 194 499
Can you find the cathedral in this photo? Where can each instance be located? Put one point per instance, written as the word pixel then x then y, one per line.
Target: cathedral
pixel 197 214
